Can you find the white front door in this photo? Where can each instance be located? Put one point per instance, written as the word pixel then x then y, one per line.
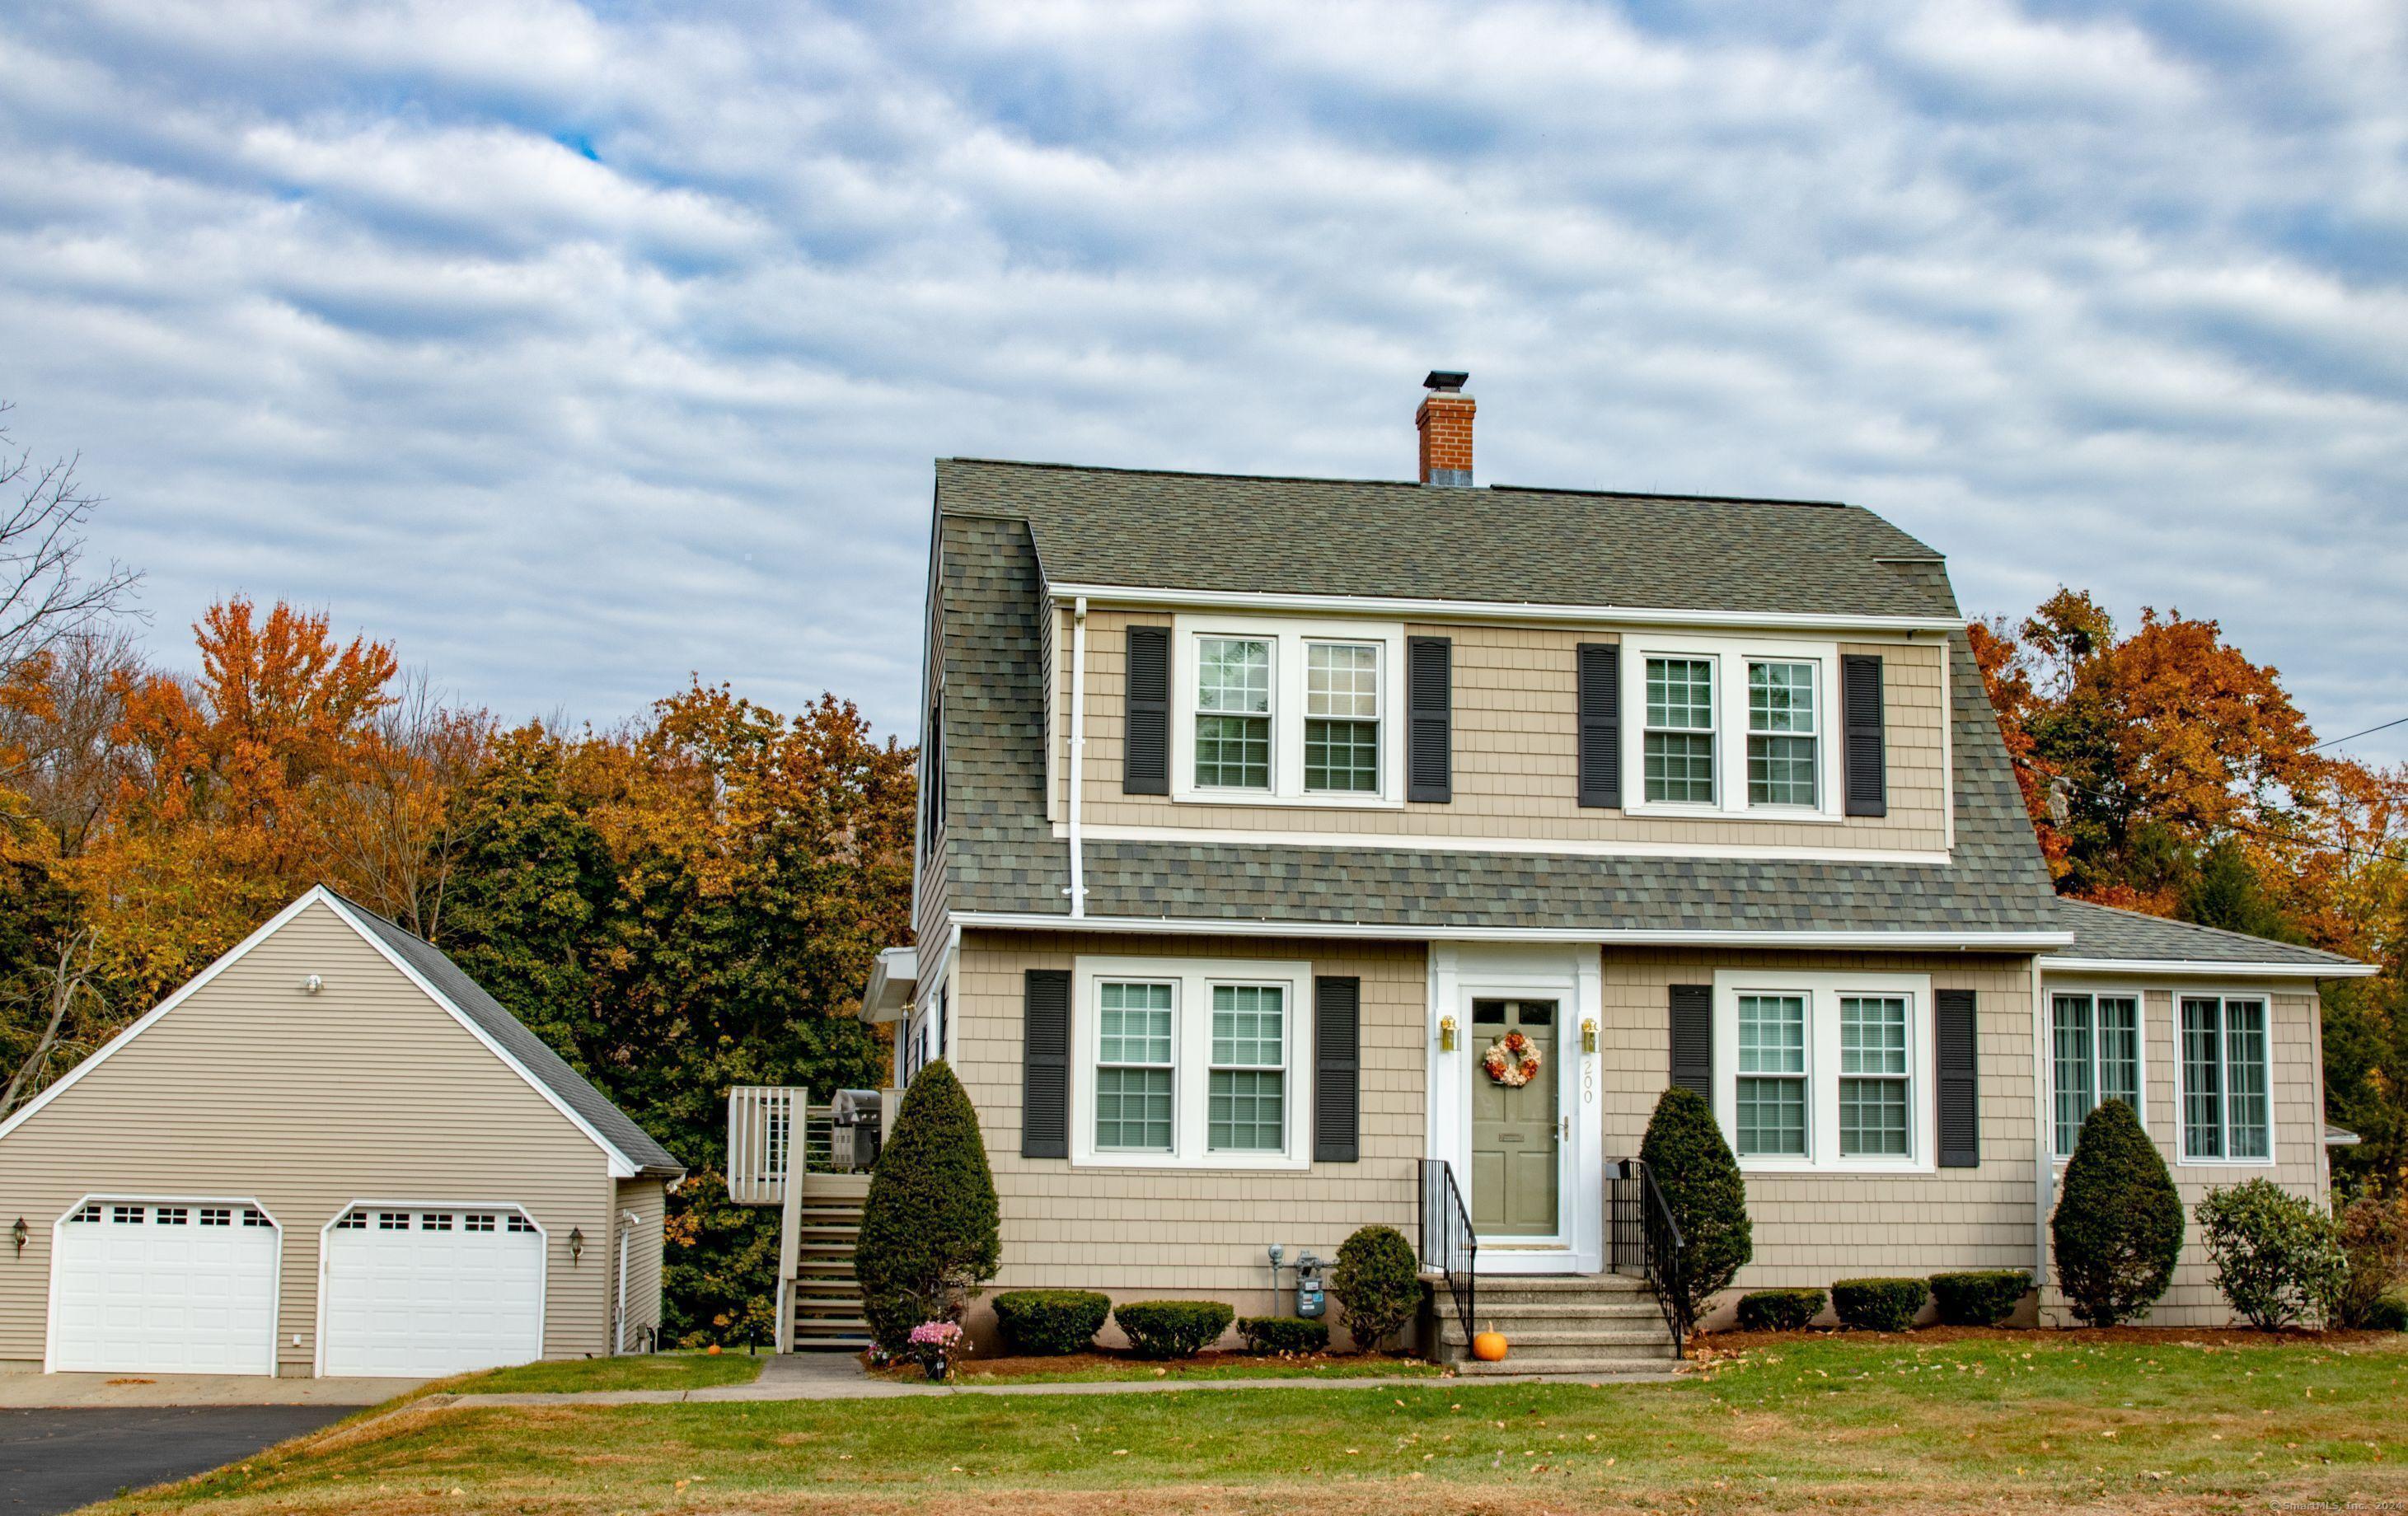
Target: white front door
pixel 422 1291
pixel 164 1287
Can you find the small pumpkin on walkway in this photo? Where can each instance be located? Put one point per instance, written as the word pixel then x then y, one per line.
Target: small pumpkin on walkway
pixel 1488 1347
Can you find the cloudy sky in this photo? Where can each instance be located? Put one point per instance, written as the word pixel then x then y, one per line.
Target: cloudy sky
pixel 576 348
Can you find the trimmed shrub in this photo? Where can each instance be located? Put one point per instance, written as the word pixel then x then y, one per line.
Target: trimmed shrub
pixel 2119 1227
pixel 1046 1323
pixel 2389 1313
pixel 1171 1328
pixel 928 1228
pixel 1378 1282
pixel 1879 1305
pixel 2277 1257
pixel 2375 1239
pixel 1779 1310
pixel 1693 1165
pixel 1285 1333
pixel 1979 1298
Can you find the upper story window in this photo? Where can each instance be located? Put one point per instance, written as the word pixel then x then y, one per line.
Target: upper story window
pixel 1285 712
pixel 2225 1115
pixel 1825 1071
pixel 2095 1052
pixel 1718 726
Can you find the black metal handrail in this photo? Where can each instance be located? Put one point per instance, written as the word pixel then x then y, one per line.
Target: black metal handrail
pixel 1448 1244
pixel 1645 1236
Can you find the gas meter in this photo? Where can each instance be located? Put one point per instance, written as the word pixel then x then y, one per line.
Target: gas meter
pixel 1310 1301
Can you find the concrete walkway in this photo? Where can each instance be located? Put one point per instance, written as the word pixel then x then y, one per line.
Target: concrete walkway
pixel 806 1376
pixel 52 1392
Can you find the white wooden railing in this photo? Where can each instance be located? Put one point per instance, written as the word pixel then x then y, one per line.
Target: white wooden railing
pixel 762 1123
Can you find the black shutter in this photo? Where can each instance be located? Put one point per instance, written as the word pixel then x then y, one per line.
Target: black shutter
pixel 1868 760
pixel 1956 1045
pixel 1336 1070
pixel 1145 742
pixel 1693 1038
pixel 1045 1065
pixel 1429 691
pixel 1599 678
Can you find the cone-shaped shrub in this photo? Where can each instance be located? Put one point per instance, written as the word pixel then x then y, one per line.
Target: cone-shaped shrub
pixel 1378 1282
pixel 2119 1227
pixel 928 1228
pixel 1693 1165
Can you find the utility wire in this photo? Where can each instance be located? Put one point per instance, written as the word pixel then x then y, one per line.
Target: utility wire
pixel 2354 736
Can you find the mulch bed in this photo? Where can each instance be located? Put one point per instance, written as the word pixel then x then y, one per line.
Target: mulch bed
pixel 1011 1367
pixel 2154 1336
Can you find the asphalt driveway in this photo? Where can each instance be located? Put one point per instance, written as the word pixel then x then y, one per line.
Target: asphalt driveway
pixel 55 1460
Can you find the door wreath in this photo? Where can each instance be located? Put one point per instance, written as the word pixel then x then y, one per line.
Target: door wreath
pixel 1511 1060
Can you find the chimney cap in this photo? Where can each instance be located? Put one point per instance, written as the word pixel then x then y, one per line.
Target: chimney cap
pixel 1445 380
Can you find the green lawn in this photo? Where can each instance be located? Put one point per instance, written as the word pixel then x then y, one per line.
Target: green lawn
pixel 652 1371
pixel 1084 1369
pixel 2028 1425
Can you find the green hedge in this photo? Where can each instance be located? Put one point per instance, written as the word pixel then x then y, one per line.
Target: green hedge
pixel 1779 1310
pixel 2118 1226
pixel 928 1235
pixel 1979 1298
pixel 1285 1333
pixel 1879 1305
pixel 1378 1282
pixel 2389 1313
pixel 1046 1323
pixel 1693 1165
pixel 1172 1328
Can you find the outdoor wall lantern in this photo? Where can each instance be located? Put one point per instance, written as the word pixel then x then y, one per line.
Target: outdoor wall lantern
pixel 576 1243
pixel 17 1235
pixel 1446 1034
pixel 1588 1035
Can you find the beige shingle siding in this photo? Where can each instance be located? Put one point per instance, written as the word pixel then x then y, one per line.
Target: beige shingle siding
pixel 649 1200
pixel 1812 1229
pixel 1515 747
pixel 366 1091
pixel 2296 1096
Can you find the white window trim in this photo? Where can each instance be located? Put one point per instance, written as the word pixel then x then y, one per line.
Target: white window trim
pixel 1191 1030
pixel 1823 992
pixel 1731 657
pixel 2094 992
pixel 2182 1078
pixel 1288 639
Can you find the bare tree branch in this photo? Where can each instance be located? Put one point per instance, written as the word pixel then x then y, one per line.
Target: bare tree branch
pixel 45 593
pixel 54 998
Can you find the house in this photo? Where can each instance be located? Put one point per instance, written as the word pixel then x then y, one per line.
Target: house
pixel 330 1153
pixel 1257 811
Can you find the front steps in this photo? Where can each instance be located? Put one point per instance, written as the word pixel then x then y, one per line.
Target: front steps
pixel 826 1296
pixel 1567 1326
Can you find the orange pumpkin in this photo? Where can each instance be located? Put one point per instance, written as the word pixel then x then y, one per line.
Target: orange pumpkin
pixel 1489 1347
pixel 713 1351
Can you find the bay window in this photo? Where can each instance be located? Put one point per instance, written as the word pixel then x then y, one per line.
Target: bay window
pixel 1821 1071
pixel 1190 1062
pixel 2094 1053
pixel 2225 1114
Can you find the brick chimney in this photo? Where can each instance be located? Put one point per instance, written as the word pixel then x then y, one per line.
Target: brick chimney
pixel 1444 422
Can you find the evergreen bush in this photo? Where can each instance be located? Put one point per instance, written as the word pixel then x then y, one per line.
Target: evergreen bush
pixel 1879 1305
pixel 1046 1323
pixel 1980 1297
pixel 1171 1328
pixel 2119 1227
pixel 2389 1313
pixel 1285 1333
pixel 2375 1239
pixel 1693 1165
pixel 1779 1310
pixel 1378 1282
pixel 928 1235
pixel 2278 1257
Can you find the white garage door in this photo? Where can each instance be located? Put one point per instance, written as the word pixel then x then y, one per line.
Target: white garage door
pixel 164 1287
pixel 423 1292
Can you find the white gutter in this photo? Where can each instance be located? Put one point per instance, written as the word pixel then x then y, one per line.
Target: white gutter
pixel 1438 932
pixel 1511 610
pixel 1078 756
pixel 2208 968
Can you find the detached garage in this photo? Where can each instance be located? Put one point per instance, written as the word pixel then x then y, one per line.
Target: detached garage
pixel 333 1153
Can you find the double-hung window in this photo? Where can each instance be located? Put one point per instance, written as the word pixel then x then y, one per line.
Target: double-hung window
pixel 1873 1077
pixel 2225 1115
pixel 1679 749
pixel 1233 713
pixel 2095 1052
pixel 1782 733
pixel 1191 1061
pixel 1342 717
pixel 1135 1064
pixel 1772 1074
pixel 1817 1071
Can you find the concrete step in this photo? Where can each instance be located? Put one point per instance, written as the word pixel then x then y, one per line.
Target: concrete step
pixel 826 1327
pixel 1546 1286
pixel 1637 1336
pixel 838 1344
pixel 1574 1347
pixel 1534 1314
pixel 1581 1369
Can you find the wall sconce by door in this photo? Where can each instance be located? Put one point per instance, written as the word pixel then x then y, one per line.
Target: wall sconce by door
pixel 1588 1035
pixel 576 1243
pixel 1446 1034
pixel 17 1235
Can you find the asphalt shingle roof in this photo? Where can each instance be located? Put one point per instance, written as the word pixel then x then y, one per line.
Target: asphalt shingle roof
pixel 533 1053
pixel 1001 854
pixel 2106 932
pixel 1378 538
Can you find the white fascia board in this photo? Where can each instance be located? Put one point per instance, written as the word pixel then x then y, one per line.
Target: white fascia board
pixel 1437 932
pixel 622 1166
pixel 1414 608
pixel 2205 969
pixel 65 1081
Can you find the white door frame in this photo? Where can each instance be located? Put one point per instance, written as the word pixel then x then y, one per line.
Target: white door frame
pixel 542 1276
pixel 1572 976
pixel 59 1227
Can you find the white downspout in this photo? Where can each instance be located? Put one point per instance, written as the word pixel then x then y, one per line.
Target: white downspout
pixel 1078 755
pixel 626 1230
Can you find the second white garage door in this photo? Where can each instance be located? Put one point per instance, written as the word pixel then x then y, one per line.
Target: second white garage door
pixel 423 1292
